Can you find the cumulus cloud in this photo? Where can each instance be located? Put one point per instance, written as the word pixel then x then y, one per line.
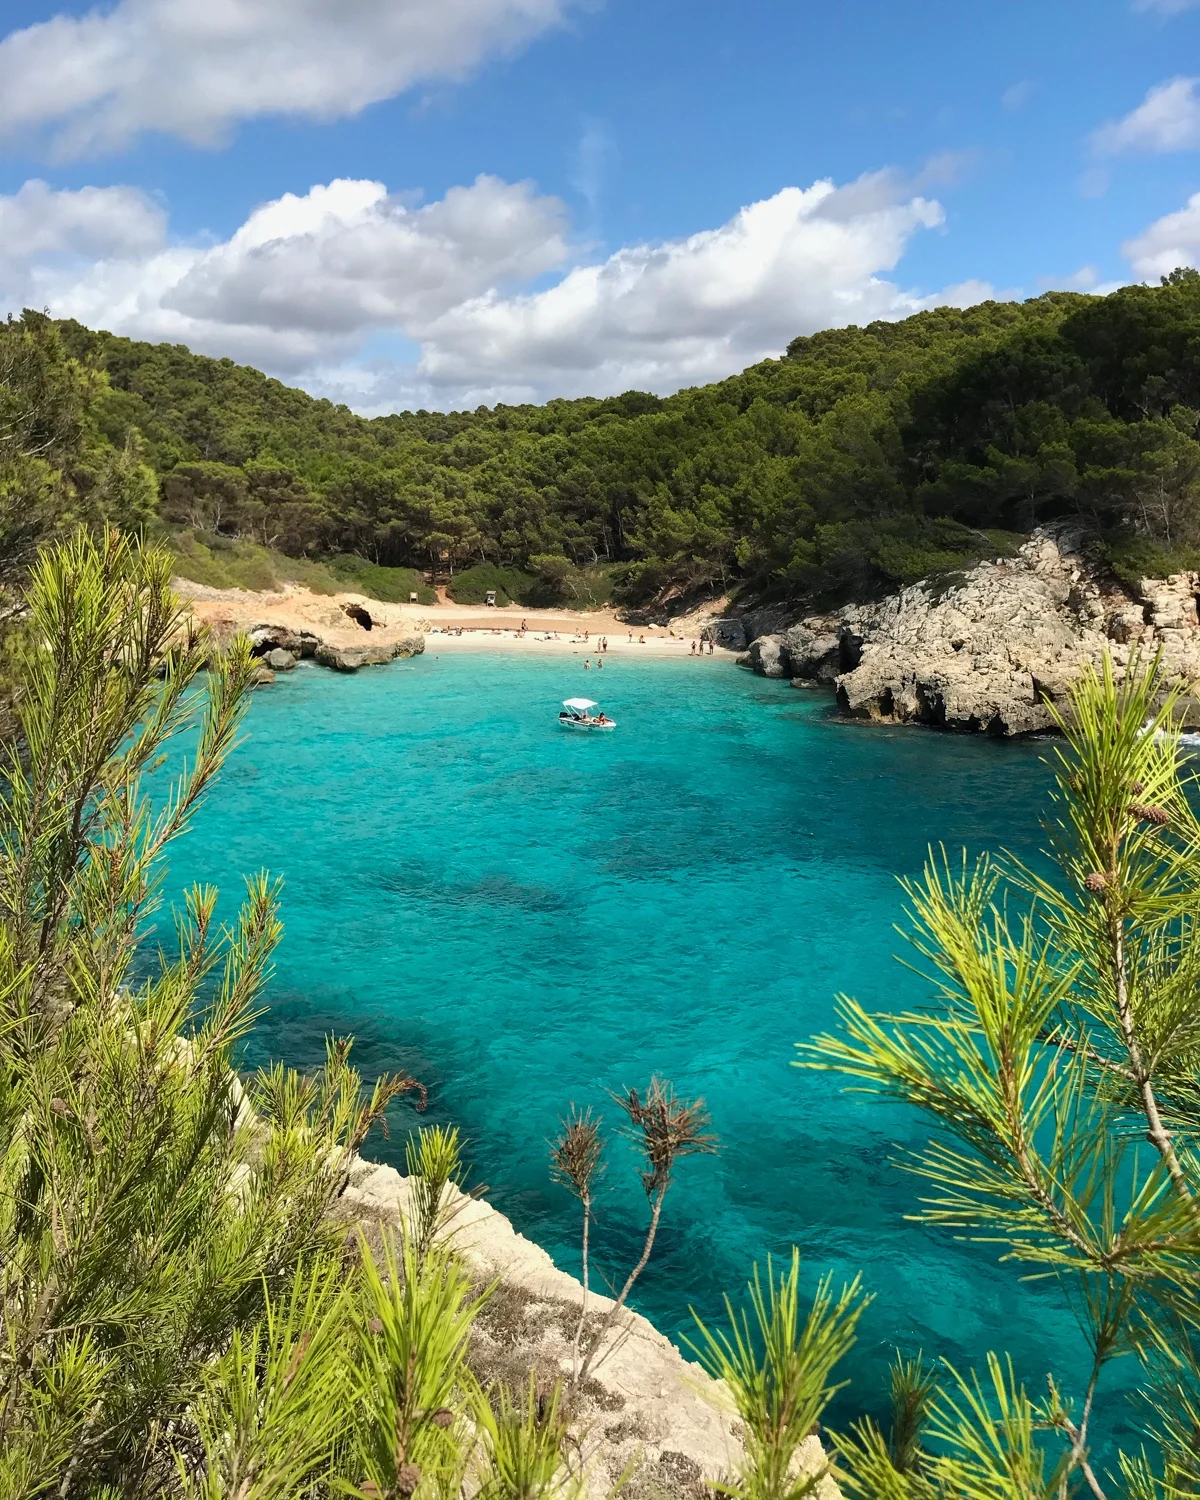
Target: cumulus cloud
pixel 306 277
pixel 661 316
pixel 1167 119
pixel 1173 240
pixel 195 68
pixel 40 225
pixel 311 285
pixel 348 257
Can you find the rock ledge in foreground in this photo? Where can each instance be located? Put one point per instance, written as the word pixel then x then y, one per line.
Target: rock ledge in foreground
pixel 646 1407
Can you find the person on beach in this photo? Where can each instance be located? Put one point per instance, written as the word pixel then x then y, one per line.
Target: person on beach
pixel 587 666
pixel 641 640
pixel 693 648
pixel 599 662
pixel 710 646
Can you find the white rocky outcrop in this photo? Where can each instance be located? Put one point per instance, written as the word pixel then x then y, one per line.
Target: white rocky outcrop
pixel 991 650
pixel 645 1412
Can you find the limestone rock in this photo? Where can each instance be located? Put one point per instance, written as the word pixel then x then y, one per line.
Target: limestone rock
pixel 262 677
pixel 351 658
pixel 767 657
pixel 264 638
pixel 280 660
pixel 730 633
pixel 993 650
pixel 409 645
pixel 645 1405
pixel 813 650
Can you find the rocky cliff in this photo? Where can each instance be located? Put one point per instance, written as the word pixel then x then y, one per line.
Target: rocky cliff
pixel 989 650
pixel 345 632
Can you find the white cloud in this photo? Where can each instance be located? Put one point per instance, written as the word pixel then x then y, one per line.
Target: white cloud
pixel 1173 240
pixel 1017 95
pixel 305 277
pixel 44 226
pixel 1167 119
pixel 195 68
pixel 311 284
pixel 661 316
pixel 346 257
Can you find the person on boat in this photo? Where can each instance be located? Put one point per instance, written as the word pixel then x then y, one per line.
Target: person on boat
pixel 601 717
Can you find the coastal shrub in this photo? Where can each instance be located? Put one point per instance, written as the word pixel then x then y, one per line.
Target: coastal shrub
pixel 391 585
pixel 471 586
pixel 1133 556
pixel 558 582
pixel 664 1129
pixel 180 1313
pixel 225 562
pixel 1058 1059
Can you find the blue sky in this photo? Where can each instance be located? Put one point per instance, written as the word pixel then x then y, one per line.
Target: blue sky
pixel 631 182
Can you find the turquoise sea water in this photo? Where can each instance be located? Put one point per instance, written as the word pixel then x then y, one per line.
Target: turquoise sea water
pixel 525 917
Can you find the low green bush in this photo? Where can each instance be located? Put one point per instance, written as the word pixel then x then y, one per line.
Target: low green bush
pixel 1133 557
pixel 391 585
pixel 222 562
pixel 472 585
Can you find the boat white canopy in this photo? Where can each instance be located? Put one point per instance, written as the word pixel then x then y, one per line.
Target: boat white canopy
pixel 580 703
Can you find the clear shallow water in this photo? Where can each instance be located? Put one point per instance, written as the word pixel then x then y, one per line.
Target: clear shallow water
pixel 525 917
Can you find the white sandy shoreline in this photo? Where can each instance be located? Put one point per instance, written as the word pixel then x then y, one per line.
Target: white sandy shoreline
pixel 536 644
pixel 446 626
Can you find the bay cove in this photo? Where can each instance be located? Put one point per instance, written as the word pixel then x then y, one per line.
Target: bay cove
pixel 525 919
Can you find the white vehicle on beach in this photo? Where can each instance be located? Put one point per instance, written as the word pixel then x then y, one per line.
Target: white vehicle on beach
pixel 577 714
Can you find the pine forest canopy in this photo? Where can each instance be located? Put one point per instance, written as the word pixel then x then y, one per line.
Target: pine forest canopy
pixel 862 459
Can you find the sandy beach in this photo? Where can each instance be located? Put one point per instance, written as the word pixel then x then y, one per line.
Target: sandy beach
pixel 447 626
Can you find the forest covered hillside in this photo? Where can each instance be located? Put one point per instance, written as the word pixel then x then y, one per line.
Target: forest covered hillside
pixel 863 458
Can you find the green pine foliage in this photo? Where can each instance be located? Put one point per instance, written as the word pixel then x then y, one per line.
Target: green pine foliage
pixel 863 459
pixel 181 1311
pixel 1057 1061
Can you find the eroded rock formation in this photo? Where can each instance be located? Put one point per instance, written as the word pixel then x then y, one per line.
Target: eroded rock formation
pixel 350 658
pixel 991 650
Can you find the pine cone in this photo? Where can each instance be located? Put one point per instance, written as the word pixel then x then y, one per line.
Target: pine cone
pixel 443 1417
pixel 1097 881
pixel 1145 813
pixel 408 1476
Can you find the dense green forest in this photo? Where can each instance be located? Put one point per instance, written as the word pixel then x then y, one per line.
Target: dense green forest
pixel 861 459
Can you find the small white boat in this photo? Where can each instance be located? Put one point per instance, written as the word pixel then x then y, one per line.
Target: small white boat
pixel 577 714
